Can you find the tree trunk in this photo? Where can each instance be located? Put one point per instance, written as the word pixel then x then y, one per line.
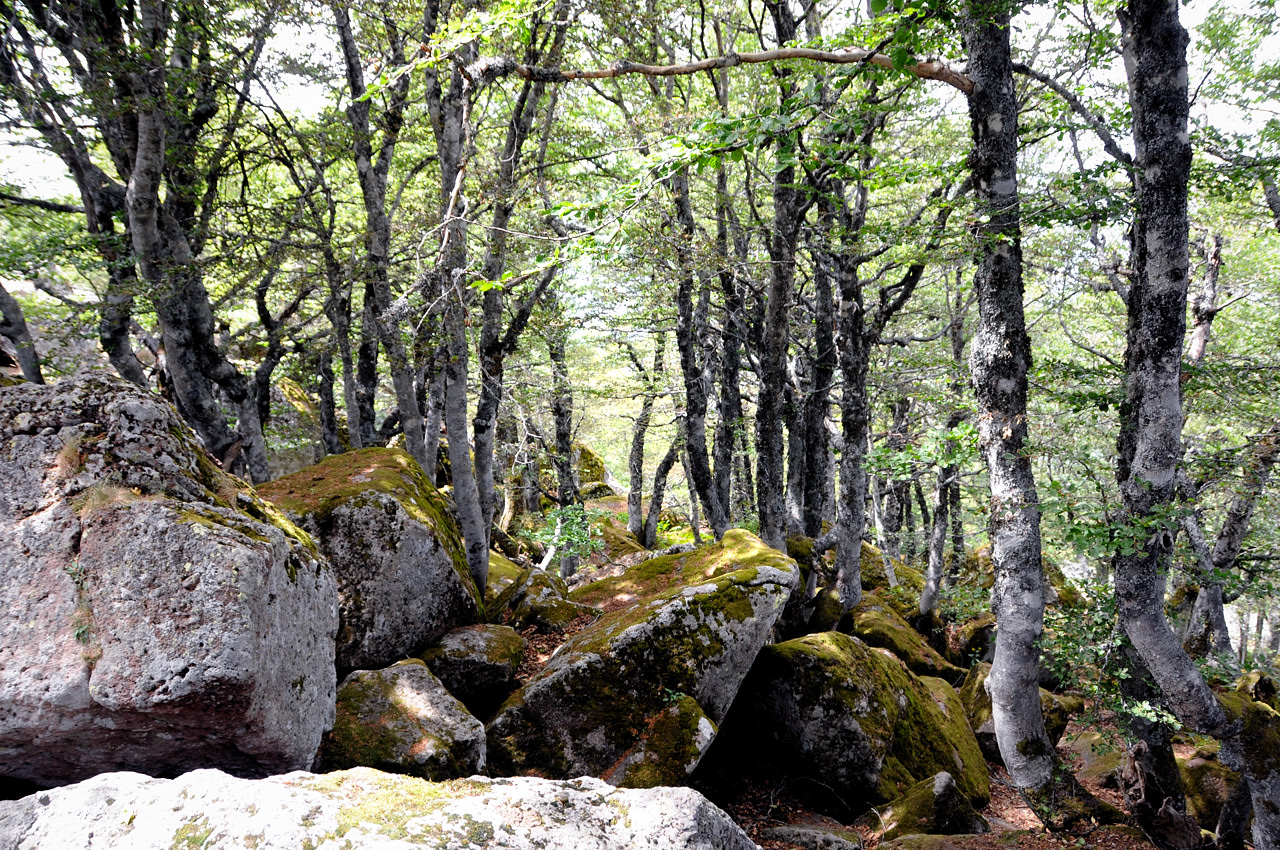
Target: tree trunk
pixel 14 327
pixel 1000 360
pixel 694 364
pixel 649 533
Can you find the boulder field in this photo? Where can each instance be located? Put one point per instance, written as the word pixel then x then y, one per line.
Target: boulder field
pixel 159 618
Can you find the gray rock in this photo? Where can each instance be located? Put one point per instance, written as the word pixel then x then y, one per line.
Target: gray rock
pixel 395 550
pixel 478 665
pixel 366 809
pixel 693 626
pixel 813 837
pixel 403 720
pixel 157 615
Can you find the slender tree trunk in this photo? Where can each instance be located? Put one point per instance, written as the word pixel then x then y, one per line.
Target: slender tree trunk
pixel 14 327
pixel 649 533
pixel 1000 360
pixel 694 364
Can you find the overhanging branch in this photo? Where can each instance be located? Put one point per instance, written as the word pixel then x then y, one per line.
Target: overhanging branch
pixel 487 70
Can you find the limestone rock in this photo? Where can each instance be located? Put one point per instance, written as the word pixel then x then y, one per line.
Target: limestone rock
pixel 293 434
pixel 157 615
pixel 829 708
pixel 402 720
pixel 933 806
pixel 363 808
pixel 541 599
pixel 478 665
pixel 815 837
pixel 688 624
pixel 397 555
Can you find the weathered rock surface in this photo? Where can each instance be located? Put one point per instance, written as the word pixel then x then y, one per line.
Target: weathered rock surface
pixel 363 808
pixel 397 555
pixel 402 720
pixel 157 615
pixel 816 837
pixel 1057 711
pixel 934 806
pixel 829 708
pixel 293 434
pixel 689 624
pixel 478 665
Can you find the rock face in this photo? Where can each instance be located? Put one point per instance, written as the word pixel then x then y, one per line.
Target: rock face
pixel 366 809
pixel 293 434
pixel 402 575
pixel 157 615
pixel 478 665
pixel 403 720
pixel 541 599
pixel 689 625
pixel 830 708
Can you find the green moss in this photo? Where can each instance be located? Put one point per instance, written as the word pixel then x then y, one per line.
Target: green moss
pixel 387 802
pixel 1260 728
pixel 891 707
pixel 317 491
pixel 878 624
pixel 669 749
pixel 738 550
pixel 503 573
pixel 1208 783
pixel 192 835
pixel 590 465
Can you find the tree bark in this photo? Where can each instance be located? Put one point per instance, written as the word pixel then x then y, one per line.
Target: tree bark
pixel 14 327
pixel 1000 359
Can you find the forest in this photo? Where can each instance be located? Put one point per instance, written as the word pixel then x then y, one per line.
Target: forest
pixel 948 277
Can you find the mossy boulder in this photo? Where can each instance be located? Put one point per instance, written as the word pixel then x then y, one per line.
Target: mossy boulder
pixel 828 708
pixel 1257 751
pixel 618 541
pixel 402 720
pixel 878 624
pixel 669 750
pixel 540 599
pixel 396 552
pixel 1056 708
pixel 478 665
pixel 933 806
pixel 158 615
pixel 815 836
pixel 974 640
pixel 692 624
pixel 1094 756
pixel 903 592
pixel 503 573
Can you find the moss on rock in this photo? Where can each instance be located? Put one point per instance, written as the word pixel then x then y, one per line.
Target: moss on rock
pixel 933 806
pixel 503 573
pixel 402 720
pixel 1057 710
pixel 670 748
pixel 692 625
pixel 878 624
pixel 828 707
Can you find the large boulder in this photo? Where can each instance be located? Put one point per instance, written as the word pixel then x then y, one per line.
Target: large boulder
pixel 478 665
pixel 402 720
pixel 676 626
pixel 293 434
pixel 540 600
pixel 367 809
pixel 396 552
pixel 829 709
pixel 157 615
